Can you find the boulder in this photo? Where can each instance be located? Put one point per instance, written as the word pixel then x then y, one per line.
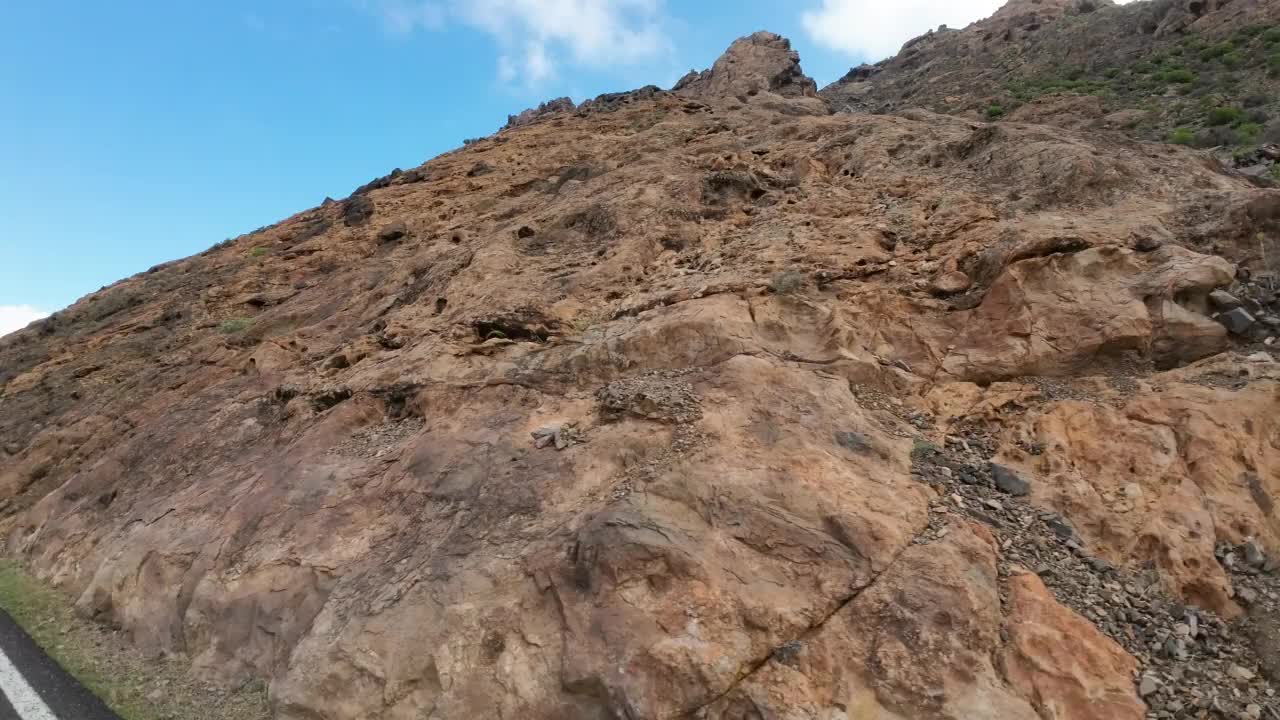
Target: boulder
pixel 393 232
pixel 1238 321
pixel 1223 300
pixel 1008 481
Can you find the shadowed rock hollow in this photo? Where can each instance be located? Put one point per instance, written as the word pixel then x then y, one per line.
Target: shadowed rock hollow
pixel 679 405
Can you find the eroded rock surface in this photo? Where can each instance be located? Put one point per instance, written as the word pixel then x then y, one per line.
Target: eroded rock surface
pixel 767 487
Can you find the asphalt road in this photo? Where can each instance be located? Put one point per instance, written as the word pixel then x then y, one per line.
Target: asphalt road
pixel 34 687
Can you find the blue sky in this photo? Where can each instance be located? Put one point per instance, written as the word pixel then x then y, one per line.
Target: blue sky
pixel 135 132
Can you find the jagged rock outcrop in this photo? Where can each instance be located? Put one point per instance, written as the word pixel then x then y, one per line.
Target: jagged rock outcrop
pixel 743 328
pixel 759 63
pixel 532 115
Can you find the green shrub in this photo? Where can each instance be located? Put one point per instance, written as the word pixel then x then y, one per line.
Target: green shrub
pixel 786 282
pixel 258 252
pixel 1181 76
pixel 1182 136
pixel 1113 73
pixel 1273 65
pixel 1233 60
pixel 995 111
pixel 1249 132
pixel 235 325
pixel 1272 36
pixel 1225 115
pixel 1216 51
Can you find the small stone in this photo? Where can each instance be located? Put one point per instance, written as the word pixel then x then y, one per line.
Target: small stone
pixel 1253 712
pixel 1253 556
pixel 1099 565
pixel 946 471
pixel 1060 528
pixel 950 283
pixel 1237 321
pixel 1248 596
pixel 1241 673
pixel 1175 648
pixel 993 504
pixel 1224 300
pixel 1258 357
pixel 1148 686
pixel 1008 481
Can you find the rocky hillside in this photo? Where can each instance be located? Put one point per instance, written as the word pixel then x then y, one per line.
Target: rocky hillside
pixel 1196 72
pixel 709 403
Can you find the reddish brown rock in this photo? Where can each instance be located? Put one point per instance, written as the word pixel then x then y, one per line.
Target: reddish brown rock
pixel 1061 662
pixel 326 467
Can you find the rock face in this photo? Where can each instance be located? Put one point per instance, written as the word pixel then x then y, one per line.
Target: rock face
pixel 761 62
pixel 653 410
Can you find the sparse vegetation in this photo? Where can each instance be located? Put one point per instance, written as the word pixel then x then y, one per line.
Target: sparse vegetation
pixel 258 252
pixel 221 245
pixel 235 325
pixel 1225 115
pixel 1249 132
pixel 786 282
pixel 1182 136
pixel 1217 51
pixel 995 112
pixel 922 450
pixel 103 662
pixel 1181 76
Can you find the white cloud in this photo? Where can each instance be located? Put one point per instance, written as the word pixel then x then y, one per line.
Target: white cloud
pixel 16 317
pixel 876 29
pixel 405 16
pixel 534 36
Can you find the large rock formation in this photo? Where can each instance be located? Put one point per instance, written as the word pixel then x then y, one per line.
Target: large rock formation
pixel 678 405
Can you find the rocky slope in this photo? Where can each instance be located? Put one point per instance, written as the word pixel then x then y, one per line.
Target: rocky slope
pixel 706 403
pixel 1204 73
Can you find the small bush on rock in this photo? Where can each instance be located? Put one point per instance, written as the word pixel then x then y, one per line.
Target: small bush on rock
pixel 1225 115
pixel 786 282
pixel 235 325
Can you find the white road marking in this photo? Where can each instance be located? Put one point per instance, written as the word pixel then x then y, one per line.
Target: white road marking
pixel 22 696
